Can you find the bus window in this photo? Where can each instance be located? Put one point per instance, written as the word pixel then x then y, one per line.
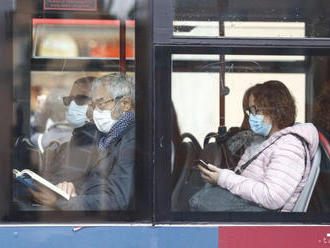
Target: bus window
pixel 197 86
pixel 74 146
pixel 242 19
pixel 207 93
pixel 72 38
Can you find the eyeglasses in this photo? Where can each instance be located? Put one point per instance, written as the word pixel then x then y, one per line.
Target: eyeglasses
pixel 101 103
pixel 254 110
pixel 79 99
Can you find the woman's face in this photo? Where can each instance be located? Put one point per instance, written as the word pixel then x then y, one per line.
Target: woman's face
pixel 267 119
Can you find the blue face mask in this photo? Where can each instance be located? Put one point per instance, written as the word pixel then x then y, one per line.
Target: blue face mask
pixel 76 115
pixel 258 126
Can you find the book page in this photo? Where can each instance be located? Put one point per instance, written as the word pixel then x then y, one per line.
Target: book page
pixel 44 182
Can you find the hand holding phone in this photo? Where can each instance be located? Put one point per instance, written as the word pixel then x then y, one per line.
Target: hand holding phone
pixel 202 163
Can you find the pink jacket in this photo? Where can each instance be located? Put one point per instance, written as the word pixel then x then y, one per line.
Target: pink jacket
pixel 276 177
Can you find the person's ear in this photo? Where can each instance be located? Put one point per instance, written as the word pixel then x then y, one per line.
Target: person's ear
pixel 126 104
pixel 89 112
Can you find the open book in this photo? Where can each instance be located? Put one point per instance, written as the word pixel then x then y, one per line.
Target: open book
pixel 29 178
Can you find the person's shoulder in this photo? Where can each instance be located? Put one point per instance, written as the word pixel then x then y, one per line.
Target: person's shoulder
pixel 128 137
pixel 306 131
pixel 130 132
pixel 293 138
pixel 87 133
pixel 306 127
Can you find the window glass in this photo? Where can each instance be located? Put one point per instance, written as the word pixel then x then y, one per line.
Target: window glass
pixel 68 141
pixel 250 19
pixel 213 115
pixel 72 38
pixel 202 89
pixel 74 119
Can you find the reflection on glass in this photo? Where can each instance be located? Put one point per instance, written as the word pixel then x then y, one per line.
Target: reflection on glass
pixel 202 88
pixel 265 29
pixel 240 168
pixel 240 29
pixel 76 128
pixel 236 18
pixel 72 38
pixel 80 154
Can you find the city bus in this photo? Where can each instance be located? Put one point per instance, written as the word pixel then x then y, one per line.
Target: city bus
pixel 192 62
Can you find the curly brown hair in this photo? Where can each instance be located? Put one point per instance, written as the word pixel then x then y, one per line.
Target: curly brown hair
pixel 321 117
pixel 277 100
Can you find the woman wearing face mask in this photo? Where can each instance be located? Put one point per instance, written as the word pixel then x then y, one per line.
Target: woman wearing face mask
pixel 272 175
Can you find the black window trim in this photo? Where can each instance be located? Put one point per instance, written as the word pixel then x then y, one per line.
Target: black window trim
pixel 156 43
pixel 144 98
pixel 163 70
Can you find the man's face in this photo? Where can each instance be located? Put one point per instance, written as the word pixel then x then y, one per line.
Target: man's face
pixel 78 94
pixel 101 97
pixel 101 100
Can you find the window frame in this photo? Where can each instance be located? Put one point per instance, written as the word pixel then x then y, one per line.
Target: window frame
pixel 156 43
pixel 21 20
pixel 163 132
pixel 165 44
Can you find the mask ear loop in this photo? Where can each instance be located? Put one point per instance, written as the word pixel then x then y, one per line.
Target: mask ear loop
pixel 115 110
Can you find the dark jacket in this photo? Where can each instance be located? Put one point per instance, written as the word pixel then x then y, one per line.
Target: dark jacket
pixel 71 161
pixel 110 184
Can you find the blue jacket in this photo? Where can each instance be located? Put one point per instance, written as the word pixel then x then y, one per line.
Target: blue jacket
pixel 110 183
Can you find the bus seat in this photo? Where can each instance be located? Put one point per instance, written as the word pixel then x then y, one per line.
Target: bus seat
pixel 320 201
pixel 27 155
pixel 325 143
pixel 306 194
pixel 181 152
pixel 188 180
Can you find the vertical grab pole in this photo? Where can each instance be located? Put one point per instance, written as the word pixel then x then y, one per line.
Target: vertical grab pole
pixel 222 70
pixel 122 46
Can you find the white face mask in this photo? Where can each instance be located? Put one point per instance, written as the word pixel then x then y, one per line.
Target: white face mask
pixel 103 120
pixel 76 115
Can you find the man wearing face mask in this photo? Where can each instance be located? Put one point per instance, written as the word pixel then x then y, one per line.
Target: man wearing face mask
pixel 72 160
pixel 110 183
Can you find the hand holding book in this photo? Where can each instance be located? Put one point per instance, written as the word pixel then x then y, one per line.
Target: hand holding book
pixel 68 187
pixel 33 181
pixel 46 197
pixel 43 191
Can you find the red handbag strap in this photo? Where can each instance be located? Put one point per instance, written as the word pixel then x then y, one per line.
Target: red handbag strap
pixel 325 143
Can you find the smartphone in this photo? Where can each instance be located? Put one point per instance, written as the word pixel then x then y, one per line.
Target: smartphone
pixel 202 163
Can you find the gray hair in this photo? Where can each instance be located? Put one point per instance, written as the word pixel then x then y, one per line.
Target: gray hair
pixel 119 85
